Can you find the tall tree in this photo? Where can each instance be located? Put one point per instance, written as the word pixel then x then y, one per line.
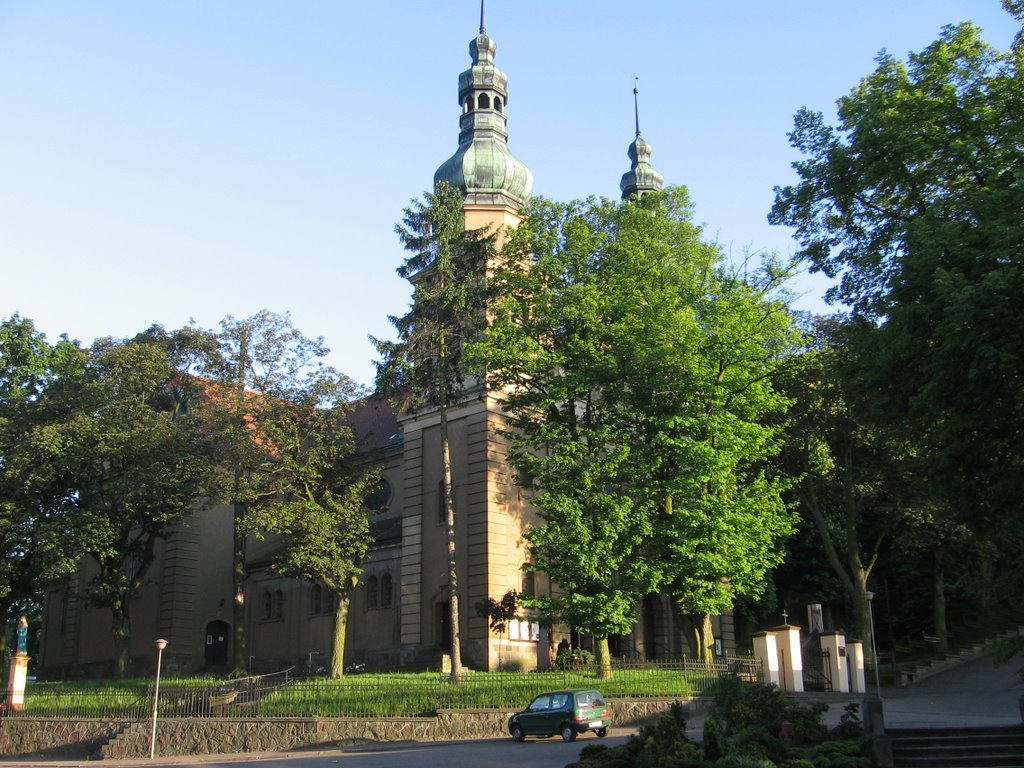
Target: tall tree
pixel 447 267
pixel 636 371
pixel 28 366
pixel 278 411
pixel 915 201
pixel 311 491
pixel 854 488
pixel 122 462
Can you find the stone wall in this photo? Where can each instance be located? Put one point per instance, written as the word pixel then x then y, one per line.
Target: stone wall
pixel 194 736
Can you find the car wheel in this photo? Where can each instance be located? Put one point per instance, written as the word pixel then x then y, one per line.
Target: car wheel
pixel 568 732
pixel 518 734
pixel 601 732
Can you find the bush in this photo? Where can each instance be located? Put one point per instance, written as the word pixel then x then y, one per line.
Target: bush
pixel 850 725
pixel 712 739
pixel 755 741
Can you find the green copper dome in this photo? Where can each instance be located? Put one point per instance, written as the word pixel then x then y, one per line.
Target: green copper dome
pixel 482 167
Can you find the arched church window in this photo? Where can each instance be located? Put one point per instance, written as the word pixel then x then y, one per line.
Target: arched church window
pixel 529 582
pixel 386 591
pixel 469 104
pixel 485 101
pixel 371 592
pixel 278 604
pixel 268 604
pixel 497 103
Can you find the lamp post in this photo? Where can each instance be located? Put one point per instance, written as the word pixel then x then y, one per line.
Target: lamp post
pixel 160 645
pixel 874 646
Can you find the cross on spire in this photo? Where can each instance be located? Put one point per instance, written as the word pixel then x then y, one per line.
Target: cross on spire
pixel 785 616
pixel 482 29
pixel 636 102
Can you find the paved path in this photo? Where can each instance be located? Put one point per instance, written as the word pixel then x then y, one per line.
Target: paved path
pixel 974 693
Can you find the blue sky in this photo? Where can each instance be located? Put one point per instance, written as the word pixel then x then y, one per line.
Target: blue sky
pixel 167 160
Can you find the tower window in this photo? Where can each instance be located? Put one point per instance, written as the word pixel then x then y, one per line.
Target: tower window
pixel 485 101
pixel 497 103
pixel 469 104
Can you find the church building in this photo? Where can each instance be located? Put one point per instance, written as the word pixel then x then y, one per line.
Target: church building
pixel 399 617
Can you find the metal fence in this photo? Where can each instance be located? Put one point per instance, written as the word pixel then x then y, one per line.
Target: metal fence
pixel 371 695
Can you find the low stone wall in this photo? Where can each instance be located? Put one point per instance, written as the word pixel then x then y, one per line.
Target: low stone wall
pixel 194 736
pixel 56 738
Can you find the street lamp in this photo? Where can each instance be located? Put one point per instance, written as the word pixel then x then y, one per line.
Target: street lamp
pixel 874 646
pixel 160 645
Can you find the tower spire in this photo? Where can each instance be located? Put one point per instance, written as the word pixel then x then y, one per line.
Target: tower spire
pixel 636 102
pixel 641 177
pixel 483 167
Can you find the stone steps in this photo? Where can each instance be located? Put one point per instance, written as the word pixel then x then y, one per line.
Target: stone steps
pixel 994 747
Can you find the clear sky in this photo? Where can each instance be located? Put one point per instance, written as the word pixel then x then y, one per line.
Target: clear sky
pixel 162 160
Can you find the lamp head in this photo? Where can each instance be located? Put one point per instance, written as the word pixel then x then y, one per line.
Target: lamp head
pixel 161 644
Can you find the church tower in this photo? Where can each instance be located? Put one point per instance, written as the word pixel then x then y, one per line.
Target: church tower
pixel 491 513
pixel 493 181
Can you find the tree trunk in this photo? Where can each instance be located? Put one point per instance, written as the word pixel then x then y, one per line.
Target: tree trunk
pixel 238 552
pixel 122 633
pixel 705 636
pixel 238 585
pixel 602 658
pixel 342 600
pixel 453 585
pixel 939 603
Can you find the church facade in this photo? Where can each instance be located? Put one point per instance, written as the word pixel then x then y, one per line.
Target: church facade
pixel 399 617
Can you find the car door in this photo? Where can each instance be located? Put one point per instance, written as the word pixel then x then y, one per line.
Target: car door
pixel 534 718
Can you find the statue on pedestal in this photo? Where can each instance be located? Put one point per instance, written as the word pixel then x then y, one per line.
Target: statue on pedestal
pixel 22 648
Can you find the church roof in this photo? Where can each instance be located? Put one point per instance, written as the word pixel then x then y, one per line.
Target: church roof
pixel 483 167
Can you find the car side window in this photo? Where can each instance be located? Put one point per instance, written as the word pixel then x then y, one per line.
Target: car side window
pixel 558 702
pixel 540 703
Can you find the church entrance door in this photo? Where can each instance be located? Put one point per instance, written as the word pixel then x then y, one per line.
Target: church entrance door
pixel 217 643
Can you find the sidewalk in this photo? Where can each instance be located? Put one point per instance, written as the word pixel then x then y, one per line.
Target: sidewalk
pixel 975 693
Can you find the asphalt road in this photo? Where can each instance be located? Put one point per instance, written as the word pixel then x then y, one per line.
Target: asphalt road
pixel 481 753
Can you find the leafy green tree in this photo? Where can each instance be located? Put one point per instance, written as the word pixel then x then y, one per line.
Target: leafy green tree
pixel 121 462
pixel 915 201
pixel 28 366
pixel 854 488
pixel 447 268
pixel 636 371
pixel 310 490
pixel 286 457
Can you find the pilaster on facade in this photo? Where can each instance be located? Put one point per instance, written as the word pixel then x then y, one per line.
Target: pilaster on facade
pixel 179 585
pixel 411 597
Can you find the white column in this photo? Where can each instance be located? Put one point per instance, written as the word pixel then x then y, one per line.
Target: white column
pixel 855 660
pixel 835 644
pixel 791 660
pixel 766 651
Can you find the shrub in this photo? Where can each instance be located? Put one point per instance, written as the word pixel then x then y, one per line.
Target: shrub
pixel 850 725
pixel 755 741
pixel 712 739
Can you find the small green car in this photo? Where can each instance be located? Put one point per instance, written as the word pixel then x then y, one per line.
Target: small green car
pixel 566 713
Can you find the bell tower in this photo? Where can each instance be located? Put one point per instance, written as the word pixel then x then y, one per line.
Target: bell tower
pixel 494 182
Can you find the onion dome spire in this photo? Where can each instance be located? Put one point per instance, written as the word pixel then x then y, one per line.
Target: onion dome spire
pixel 482 167
pixel 641 177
